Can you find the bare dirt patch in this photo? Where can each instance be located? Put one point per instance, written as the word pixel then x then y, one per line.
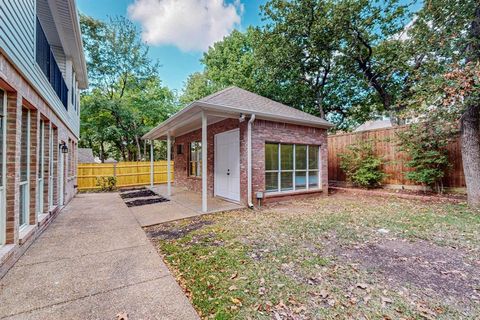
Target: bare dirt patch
pixel 170 231
pixel 436 270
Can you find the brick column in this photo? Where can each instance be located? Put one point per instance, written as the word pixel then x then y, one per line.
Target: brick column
pixel 34 137
pixel 46 168
pixel 14 115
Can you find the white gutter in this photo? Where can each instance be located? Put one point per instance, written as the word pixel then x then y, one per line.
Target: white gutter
pixel 249 160
pixel 166 125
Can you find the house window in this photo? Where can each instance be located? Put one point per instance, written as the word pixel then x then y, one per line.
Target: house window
pixel 195 161
pixel 290 167
pixel 25 169
pixel 49 66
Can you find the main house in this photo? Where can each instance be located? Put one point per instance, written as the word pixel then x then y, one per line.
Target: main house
pixel 42 69
pixel 256 149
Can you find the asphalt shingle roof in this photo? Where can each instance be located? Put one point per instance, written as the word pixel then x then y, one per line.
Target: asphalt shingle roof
pixel 251 102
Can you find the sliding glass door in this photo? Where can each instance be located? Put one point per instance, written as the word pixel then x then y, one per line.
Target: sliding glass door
pixel 3 152
pixel 41 168
pixel 25 169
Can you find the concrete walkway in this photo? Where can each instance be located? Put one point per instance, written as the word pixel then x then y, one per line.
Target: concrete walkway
pixel 183 204
pixel 93 262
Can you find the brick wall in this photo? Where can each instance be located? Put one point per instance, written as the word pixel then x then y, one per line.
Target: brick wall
pixel 181 161
pixel 262 131
pixel 268 131
pixel 20 94
pixel 14 111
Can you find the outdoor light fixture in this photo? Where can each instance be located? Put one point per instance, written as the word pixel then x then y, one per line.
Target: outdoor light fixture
pixel 63 147
pixel 242 118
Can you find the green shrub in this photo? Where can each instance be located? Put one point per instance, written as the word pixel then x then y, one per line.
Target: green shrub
pixel 426 146
pixel 107 183
pixel 361 165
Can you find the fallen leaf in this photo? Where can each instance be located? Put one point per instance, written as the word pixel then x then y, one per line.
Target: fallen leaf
pixel 122 316
pixel 324 293
pixel 236 301
pixel 234 275
pixel 299 309
pixel 362 286
pixel 232 288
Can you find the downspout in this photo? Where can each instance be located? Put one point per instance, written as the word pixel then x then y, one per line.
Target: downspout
pixel 249 161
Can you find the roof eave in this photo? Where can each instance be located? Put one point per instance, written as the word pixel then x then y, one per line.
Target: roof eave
pixel 83 79
pixel 267 116
pixel 163 127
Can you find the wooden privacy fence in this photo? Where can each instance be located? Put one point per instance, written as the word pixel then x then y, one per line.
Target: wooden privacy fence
pixel 386 146
pixel 128 174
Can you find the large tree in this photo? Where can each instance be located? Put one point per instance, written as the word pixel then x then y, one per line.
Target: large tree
pixel 127 97
pixel 230 62
pixel 447 34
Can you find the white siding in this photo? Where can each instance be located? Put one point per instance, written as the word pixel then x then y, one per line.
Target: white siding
pixel 17 39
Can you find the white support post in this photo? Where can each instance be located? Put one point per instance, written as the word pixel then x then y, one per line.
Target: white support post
pixel 169 159
pixel 204 162
pixel 151 164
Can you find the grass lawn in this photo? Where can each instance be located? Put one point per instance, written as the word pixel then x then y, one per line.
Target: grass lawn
pixel 343 256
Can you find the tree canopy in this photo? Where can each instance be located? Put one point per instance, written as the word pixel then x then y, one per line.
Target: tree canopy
pixel 127 97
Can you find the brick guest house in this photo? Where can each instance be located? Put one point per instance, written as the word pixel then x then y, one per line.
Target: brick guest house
pixel 42 69
pixel 257 150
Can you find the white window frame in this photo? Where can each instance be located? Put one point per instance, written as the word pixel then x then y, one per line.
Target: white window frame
pixel 3 196
pixel 50 167
pixel 198 161
pixel 26 184
pixel 41 168
pixel 307 170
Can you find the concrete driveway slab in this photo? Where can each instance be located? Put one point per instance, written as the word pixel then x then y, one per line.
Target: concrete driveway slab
pixel 92 266
pixel 161 212
pixel 157 299
pixel 62 246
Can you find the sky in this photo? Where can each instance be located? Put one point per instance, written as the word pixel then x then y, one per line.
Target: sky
pixel 178 31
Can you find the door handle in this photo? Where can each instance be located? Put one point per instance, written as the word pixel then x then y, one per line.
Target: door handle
pixel 228 172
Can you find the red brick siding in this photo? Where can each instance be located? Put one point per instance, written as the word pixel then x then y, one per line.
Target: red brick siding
pixel 268 131
pixel 14 109
pixel 181 161
pixel 19 93
pixel 262 131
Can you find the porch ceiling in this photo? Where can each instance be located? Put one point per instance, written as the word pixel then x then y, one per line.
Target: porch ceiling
pixel 187 120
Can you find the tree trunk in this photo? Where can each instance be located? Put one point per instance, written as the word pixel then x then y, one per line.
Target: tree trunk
pixel 470 140
pixel 139 148
pixel 102 152
pixel 470 124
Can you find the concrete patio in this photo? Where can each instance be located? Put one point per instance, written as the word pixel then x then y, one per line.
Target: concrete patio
pixel 93 262
pixel 183 204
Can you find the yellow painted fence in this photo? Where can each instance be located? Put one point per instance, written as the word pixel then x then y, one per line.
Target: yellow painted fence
pixel 128 174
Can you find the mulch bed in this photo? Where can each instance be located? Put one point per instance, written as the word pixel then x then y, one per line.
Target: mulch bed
pixel 141 196
pixel 403 194
pixel 138 194
pixel 131 189
pixel 142 202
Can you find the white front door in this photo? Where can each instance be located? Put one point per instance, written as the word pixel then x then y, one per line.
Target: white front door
pixel 227 165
